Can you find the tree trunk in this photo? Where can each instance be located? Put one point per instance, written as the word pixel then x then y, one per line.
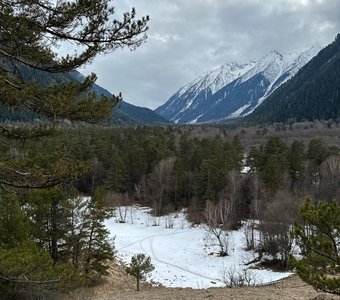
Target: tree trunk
pixel 138 282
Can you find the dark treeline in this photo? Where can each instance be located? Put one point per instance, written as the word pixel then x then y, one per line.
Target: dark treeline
pixel 212 175
pixel 169 168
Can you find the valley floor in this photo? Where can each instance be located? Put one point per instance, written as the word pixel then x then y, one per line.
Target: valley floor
pixel 184 255
pixel 181 249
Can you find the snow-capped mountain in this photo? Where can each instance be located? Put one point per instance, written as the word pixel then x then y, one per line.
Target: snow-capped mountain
pixel 233 90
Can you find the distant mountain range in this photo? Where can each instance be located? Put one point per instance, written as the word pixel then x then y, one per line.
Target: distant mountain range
pixel 313 93
pixel 276 88
pixel 233 90
pixel 125 114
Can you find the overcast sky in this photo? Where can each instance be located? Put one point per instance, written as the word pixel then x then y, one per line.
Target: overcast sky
pixel 189 37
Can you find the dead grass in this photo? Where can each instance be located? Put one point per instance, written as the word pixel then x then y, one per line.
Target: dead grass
pixel 122 287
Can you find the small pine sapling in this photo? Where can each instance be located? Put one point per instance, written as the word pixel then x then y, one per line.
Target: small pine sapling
pixel 140 266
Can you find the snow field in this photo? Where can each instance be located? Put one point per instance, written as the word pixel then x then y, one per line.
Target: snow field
pixel 184 255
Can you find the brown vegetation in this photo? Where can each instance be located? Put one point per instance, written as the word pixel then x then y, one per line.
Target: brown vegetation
pixel 122 287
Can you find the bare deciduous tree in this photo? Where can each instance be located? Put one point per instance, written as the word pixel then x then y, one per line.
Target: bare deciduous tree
pixel 215 228
pixel 122 203
pixel 232 277
pixel 228 200
pixel 159 183
pixel 330 178
pixel 275 227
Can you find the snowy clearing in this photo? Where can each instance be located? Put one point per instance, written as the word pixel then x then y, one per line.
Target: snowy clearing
pixel 183 255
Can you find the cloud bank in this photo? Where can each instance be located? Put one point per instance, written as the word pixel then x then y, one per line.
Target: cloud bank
pixel 190 37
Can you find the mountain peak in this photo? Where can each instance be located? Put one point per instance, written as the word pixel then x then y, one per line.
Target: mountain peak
pixel 313 93
pixel 275 53
pixel 271 57
pixel 234 89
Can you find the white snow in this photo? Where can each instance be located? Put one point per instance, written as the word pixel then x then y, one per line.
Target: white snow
pixel 211 81
pixel 217 78
pixel 194 121
pixel 238 112
pixel 183 255
pixel 272 66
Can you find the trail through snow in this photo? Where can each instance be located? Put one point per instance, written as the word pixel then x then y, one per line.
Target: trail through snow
pixel 183 255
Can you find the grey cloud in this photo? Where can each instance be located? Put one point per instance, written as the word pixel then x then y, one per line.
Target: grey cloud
pixel 189 37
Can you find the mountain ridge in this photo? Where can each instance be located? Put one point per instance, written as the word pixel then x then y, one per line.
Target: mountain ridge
pixel 233 90
pixel 125 114
pixel 313 93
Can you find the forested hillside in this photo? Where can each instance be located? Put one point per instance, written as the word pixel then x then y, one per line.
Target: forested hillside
pixel 168 168
pixel 313 93
pixel 125 114
pixel 205 170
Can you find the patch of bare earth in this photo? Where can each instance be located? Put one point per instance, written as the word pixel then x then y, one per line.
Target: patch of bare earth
pixel 122 287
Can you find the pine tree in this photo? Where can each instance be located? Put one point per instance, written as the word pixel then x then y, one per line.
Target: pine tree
pixel 116 175
pixel 98 248
pixel 30 31
pixel 76 237
pixel 296 159
pixel 49 221
pixel 13 223
pixel 271 162
pixel 28 272
pixel 318 236
pixel 140 266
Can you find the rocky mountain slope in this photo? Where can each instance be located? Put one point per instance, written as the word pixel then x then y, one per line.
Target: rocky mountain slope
pixel 313 93
pixel 233 90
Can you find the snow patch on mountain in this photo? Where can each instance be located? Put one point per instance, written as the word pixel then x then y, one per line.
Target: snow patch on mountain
pixel 234 89
pixel 239 112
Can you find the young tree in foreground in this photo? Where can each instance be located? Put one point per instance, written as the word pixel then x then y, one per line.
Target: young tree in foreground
pixel 319 238
pixel 140 266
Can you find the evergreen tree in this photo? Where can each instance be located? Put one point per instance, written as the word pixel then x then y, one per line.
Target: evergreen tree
pixel 49 221
pixel 317 152
pixel 296 159
pixel 318 236
pixel 98 249
pixel 271 162
pixel 116 176
pixel 13 223
pixel 75 236
pixel 28 272
pixel 140 266
pixel 30 31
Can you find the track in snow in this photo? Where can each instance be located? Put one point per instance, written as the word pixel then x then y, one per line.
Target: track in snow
pixel 152 254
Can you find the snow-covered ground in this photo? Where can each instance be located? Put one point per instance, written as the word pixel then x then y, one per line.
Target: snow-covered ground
pixel 183 255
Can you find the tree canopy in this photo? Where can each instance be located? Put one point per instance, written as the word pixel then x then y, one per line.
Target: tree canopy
pixel 49 235
pixel 31 34
pixel 319 238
